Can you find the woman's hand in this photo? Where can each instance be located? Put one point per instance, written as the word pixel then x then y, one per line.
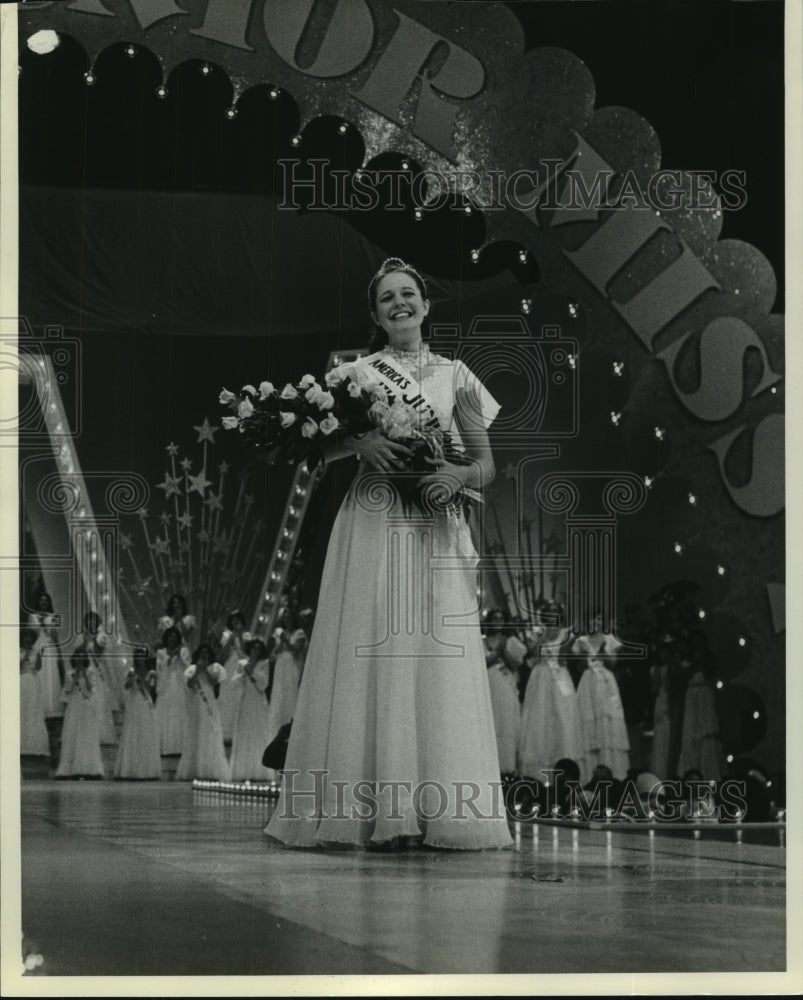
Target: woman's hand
pixel 381 453
pixel 449 478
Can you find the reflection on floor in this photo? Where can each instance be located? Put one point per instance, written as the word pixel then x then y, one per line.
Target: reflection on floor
pixel 158 879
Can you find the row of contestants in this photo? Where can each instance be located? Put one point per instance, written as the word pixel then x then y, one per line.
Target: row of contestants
pixel 556 720
pixel 182 714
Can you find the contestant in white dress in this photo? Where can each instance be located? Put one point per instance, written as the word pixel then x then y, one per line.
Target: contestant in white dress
pixel 171 662
pixel 550 723
pixel 33 731
pixel 176 615
pixel 251 726
pixel 604 731
pixel 93 643
pixel 204 755
pixel 289 655
pixel 138 753
pixel 399 719
pixel 43 620
pixel 80 734
pixel 504 655
pixel 232 649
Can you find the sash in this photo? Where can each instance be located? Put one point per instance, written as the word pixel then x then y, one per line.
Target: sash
pixel 397 381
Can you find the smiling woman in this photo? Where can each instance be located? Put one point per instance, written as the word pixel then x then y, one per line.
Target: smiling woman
pixel 393 737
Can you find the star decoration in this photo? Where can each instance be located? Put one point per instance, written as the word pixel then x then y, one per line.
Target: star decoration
pixel 222 544
pixel 186 464
pixel 165 518
pixel 142 512
pixel 172 449
pixel 213 502
pixel 185 521
pixel 125 540
pixel 223 468
pixel 184 547
pixel 203 536
pixel 511 471
pixel 199 482
pixel 206 432
pixel 248 499
pixel 160 547
pixel 170 486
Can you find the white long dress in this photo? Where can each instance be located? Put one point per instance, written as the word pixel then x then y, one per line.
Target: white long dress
pixel 138 753
pixel 33 731
pixel 170 698
pixel 251 726
pixel 605 739
pixel 550 723
pixel 287 670
pixel 105 696
pixel 203 755
pixel 80 734
pixel 503 684
pixel 394 700
pixel 701 744
pixel 231 690
pixel 43 623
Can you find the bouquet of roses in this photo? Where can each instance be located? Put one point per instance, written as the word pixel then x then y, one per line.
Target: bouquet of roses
pixel 295 424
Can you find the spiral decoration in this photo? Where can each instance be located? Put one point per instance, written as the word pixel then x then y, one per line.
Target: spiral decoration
pixel 557 494
pixel 127 494
pixel 625 494
pixel 374 493
pixel 59 495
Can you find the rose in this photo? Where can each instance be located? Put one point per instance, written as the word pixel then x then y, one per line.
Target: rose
pixel 230 423
pixel 313 394
pixel 266 389
pixel 334 378
pixel 226 397
pixel 289 392
pixel 307 381
pixel 354 390
pixel 309 428
pixel 329 424
pixel 378 411
pixel 287 419
pixel 245 409
pixel 325 401
pixel 249 389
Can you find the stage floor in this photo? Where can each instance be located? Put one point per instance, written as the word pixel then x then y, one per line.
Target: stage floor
pixel 158 879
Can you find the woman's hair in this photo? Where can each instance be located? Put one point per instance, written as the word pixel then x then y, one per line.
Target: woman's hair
pixel 171 631
pixel 27 635
pixel 92 620
pixel 252 645
pixel 232 616
pixel 39 597
pixel 210 653
pixel 379 337
pixel 182 600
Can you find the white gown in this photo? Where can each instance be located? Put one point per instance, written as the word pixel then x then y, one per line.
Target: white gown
pixel 550 724
pixel 394 689
pixel 80 734
pixel 50 678
pixel 503 684
pixel 138 753
pixel 605 739
pixel 231 690
pixel 170 699
pixel 251 726
pixel 33 731
pixel 203 754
